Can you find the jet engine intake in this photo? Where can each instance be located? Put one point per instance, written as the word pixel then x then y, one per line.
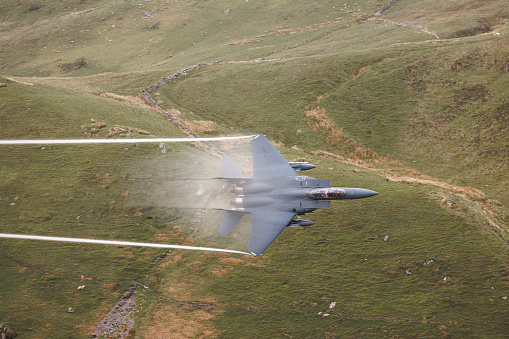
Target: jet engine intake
pixel 252 188
pixel 251 201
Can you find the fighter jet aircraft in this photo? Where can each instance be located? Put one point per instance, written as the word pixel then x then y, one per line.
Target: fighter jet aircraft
pixel 275 194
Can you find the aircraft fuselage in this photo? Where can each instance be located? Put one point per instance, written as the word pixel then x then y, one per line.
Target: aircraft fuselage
pixel 300 194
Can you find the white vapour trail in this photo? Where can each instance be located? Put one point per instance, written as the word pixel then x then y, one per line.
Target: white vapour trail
pixel 114 141
pixel 118 243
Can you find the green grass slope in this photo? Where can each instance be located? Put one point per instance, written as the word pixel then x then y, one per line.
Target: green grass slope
pixel 370 103
pixel 75 192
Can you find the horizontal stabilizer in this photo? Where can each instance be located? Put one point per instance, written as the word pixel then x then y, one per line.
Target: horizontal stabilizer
pixel 231 169
pixel 229 220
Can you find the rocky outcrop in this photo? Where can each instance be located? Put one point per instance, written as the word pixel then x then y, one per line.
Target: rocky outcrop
pixel 121 318
pixel 384 7
pixel 417 28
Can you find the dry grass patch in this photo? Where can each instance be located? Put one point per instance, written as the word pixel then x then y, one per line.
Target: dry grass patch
pixel 280 31
pixel 232 261
pixel 171 322
pixel 183 311
pixel 197 126
pixel 172 260
pixel 20 82
pixel 124 130
pixel 318 118
pixel 131 100
pixel 246 42
pixel 468 191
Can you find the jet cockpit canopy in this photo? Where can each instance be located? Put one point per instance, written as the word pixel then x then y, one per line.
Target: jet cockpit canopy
pixel 326 193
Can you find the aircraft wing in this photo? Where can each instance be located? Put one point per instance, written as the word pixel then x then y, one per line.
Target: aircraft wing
pixel 268 163
pixel 266 225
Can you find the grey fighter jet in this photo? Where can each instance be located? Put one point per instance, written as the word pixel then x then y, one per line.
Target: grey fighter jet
pixel 275 194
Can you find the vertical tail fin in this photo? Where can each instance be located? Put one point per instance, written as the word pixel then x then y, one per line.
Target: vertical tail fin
pixel 229 220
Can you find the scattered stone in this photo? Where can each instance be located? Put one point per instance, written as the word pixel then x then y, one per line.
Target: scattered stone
pixel 162 147
pixel 6 333
pixel 409 26
pixel 81 287
pixel 384 7
pixel 70 310
pixel 386 238
pixel 3 84
pixel 332 305
pixel 427 262
pixel 408 272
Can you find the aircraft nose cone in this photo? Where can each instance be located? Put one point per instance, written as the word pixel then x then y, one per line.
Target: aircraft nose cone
pixel 368 193
pixel 360 193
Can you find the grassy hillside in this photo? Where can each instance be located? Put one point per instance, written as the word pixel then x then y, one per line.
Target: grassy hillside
pixel 374 104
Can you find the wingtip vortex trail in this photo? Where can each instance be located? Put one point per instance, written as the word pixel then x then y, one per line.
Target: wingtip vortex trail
pixel 114 141
pixel 117 243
